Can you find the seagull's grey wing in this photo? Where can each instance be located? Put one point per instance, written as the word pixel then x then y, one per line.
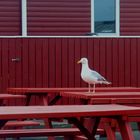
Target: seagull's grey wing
pixel 98 76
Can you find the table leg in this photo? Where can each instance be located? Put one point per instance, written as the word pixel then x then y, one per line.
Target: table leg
pixel 109 131
pixel 84 130
pixel 2 123
pixel 125 129
pixel 45 100
pixel 28 99
pixel 48 124
pixel 55 99
pixel 84 101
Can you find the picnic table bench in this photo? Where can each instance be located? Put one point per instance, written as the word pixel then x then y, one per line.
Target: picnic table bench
pixel 73 112
pixel 4 97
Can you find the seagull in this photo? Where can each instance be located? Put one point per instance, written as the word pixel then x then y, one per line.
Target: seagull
pixel 91 76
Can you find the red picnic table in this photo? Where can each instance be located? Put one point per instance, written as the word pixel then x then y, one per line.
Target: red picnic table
pixel 73 112
pixel 9 97
pixel 43 93
pixel 125 98
pixel 4 97
pixel 80 93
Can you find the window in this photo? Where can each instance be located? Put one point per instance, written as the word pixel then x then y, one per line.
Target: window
pixel 105 17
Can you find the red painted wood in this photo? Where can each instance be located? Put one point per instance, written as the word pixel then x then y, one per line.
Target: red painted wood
pixel 25 62
pixel 35 90
pixel 64 62
pixel 110 94
pixel 62 17
pixel 67 132
pixel 71 62
pixel 58 18
pixel 0 67
pixel 45 63
pixel 18 64
pixel 58 63
pixel 51 62
pixel 115 62
pixel 10 17
pixel 129 17
pixel 134 62
pixel 121 62
pixel 38 63
pixel 18 112
pixel 96 55
pixel 5 64
pixel 138 64
pixel 32 65
pixel 12 65
pixel 77 58
pixel 109 57
pixel 127 58
pixel 102 61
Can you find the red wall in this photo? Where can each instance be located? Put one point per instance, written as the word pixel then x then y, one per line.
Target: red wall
pixel 62 17
pixel 130 17
pixel 10 17
pixel 58 17
pixel 51 62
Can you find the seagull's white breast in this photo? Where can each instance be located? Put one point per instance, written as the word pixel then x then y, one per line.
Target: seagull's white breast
pixel 86 75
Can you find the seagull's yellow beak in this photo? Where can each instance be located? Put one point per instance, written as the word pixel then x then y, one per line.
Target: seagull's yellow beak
pixel 78 62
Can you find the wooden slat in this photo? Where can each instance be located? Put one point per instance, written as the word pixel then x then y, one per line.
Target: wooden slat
pixel 127 58
pixel 129 17
pixel 52 64
pixel 109 57
pixel 10 17
pixel 115 62
pixel 5 63
pixel 18 64
pixel 54 17
pixel 45 63
pixel 58 63
pixel 32 63
pixel 25 62
pixel 134 62
pixel 38 63
pixel 121 62
pixel 77 58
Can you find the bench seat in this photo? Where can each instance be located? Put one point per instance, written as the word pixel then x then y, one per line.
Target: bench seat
pixel 20 124
pixel 43 132
pixel 39 132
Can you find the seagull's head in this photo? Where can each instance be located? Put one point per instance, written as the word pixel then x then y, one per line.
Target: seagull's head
pixel 83 61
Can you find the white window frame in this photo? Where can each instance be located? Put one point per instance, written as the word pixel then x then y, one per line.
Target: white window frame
pixel 24 17
pixel 117 21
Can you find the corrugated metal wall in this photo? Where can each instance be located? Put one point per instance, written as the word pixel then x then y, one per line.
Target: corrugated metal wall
pixel 130 17
pixel 51 62
pixel 10 17
pixel 63 17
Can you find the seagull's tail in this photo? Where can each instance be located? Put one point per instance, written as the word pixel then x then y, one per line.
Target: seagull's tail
pixel 106 82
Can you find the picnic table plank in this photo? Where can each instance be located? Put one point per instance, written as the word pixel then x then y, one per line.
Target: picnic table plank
pixel 72 112
pixel 98 89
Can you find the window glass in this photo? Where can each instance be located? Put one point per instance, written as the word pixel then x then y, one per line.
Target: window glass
pixel 104 16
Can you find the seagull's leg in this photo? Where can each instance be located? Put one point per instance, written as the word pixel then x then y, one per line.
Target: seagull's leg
pixel 94 88
pixel 88 87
